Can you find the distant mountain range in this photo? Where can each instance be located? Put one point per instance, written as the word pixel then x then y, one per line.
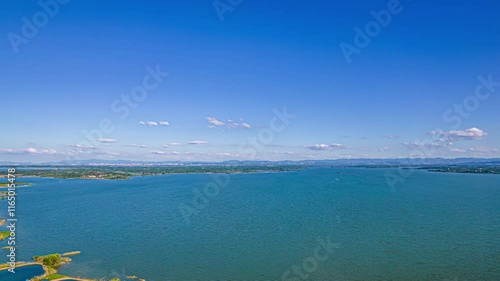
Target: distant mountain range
pixel 336 162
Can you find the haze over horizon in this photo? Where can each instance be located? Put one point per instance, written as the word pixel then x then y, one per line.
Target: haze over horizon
pixel 193 81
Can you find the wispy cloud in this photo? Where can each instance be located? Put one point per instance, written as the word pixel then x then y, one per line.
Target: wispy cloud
pixel 283 153
pixel 82 147
pixel 197 142
pixel 391 137
pixel 135 145
pixel 30 150
pixel 234 125
pixel 154 123
pixel 416 145
pixel 382 149
pixel 482 149
pixel 107 140
pixel 130 145
pixel 162 152
pixel 319 147
pixel 215 122
pixel 228 123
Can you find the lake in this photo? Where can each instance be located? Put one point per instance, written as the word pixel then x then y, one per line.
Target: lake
pixel 314 224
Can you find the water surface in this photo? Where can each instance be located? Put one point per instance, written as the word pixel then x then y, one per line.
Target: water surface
pixel 433 226
pixel 22 273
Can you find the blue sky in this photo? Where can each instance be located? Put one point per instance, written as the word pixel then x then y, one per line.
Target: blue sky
pixel 420 83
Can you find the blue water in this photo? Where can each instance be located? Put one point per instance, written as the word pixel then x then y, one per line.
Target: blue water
pixel 433 226
pixel 22 273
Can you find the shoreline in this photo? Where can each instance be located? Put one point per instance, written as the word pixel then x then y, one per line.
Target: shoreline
pixel 151 175
pixel 46 269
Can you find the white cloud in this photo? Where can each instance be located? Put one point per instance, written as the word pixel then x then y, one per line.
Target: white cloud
pixel 197 142
pixel 214 122
pixel 482 149
pixel 82 147
pixel 318 147
pixel 324 146
pixel 228 123
pixel 392 137
pixel 415 145
pixel 29 150
pixel 106 140
pixel 161 152
pixel 283 153
pixel 385 148
pixel 234 125
pixel 455 135
pixel 479 150
pixel 154 123
pixel 41 151
pixel 174 143
pixel 136 145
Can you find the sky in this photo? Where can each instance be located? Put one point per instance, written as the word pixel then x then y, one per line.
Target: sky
pixel 248 80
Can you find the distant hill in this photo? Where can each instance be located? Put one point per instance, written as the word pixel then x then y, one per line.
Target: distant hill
pixel 326 162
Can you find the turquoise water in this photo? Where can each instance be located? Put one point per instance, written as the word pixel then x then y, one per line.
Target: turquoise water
pixel 434 226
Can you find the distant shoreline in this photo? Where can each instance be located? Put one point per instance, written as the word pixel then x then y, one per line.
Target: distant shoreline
pixel 126 173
